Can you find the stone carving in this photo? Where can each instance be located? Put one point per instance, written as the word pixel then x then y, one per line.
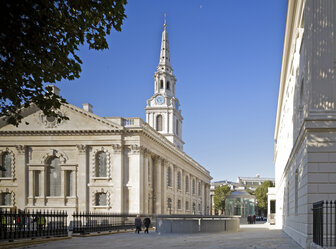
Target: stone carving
pixel 81 148
pixel 116 148
pixel 51 121
pixel 55 153
pixel 20 149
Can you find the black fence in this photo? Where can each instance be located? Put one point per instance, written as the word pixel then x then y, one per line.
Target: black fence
pixel 103 222
pixel 324 223
pixel 18 225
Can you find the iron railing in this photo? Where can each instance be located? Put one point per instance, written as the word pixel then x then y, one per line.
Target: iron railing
pixel 88 222
pixel 324 223
pixel 22 224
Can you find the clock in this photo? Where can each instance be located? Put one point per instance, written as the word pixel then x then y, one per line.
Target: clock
pixel 159 100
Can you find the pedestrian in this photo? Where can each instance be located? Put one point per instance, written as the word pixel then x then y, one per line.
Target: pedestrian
pixel 147 222
pixel 254 219
pixel 137 223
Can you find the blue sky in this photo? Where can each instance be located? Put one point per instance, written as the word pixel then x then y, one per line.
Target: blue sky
pixel 226 56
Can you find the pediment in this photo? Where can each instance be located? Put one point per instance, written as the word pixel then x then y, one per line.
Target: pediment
pixel 79 120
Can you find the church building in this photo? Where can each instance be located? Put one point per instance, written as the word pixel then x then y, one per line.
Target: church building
pixel 305 129
pixel 104 164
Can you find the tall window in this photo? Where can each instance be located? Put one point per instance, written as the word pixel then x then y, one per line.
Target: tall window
pixel 37 174
pixel 169 177
pixel 179 204
pixel 187 183
pixel 179 180
pixel 54 180
pixel 169 203
pixel 159 122
pixel 6 161
pixel 193 186
pixel 177 127
pixel 69 184
pixel 161 84
pixel 101 199
pixel 296 191
pixel 168 85
pixel 101 164
pixel 199 188
pixel 5 199
pixel 187 205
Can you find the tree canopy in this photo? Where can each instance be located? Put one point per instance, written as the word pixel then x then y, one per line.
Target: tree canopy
pixel 221 193
pixel 39 42
pixel 261 195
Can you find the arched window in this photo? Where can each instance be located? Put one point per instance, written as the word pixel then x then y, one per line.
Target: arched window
pixel 161 84
pixel 169 177
pixel 177 127
pixel 179 180
pixel 193 186
pixel 54 179
pixel 168 85
pixel 187 183
pixel 199 188
pixel 6 169
pixel 101 199
pixel 101 164
pixel 159 122
pixel 296 191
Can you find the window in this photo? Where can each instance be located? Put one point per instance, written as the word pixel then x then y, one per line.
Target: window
pixel 101 164
pixel 272 208
pixel 159 122
pixel 6 161
pixel 169 177
pixel 187 183
pixel 187 205
pixel 179 204
pixel 193 186
pixel 169 202
pixel 161 84
pixel 177 127
pixel 168 85
pixel 6 199
pixel 37 174
pixel 194 207
pixel 199 188
pixel 296 191
pixel 179 180
pixel 101 199
pixel 54 180
pixel 69 184
pixel 199 207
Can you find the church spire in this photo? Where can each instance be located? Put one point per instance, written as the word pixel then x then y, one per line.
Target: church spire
pixel 164 54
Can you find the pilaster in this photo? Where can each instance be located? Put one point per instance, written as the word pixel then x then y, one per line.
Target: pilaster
pixel 83 178
pixel 21 177
pixel 118 178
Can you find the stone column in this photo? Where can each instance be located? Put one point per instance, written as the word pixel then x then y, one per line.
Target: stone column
pixel 83 177
pixel 118 178
pixel 145 182
pixel 21 174
pixel 157 185
pixel 164 187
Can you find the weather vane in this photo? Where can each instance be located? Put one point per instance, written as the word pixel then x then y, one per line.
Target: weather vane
pixel 165 22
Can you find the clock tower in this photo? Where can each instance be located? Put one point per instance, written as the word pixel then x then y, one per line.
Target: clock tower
pixel 163 108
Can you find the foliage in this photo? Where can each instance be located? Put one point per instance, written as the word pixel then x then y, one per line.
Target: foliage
pixel 251 192
pixel 221 193
pixel 261 195
pixel 38 45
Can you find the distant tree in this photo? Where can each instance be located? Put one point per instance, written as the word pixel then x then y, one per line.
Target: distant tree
pixel 39 41
pixel 261 195
pixel 221 193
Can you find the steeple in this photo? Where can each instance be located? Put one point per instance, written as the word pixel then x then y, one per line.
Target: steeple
pixel 164 63
pixel 163 111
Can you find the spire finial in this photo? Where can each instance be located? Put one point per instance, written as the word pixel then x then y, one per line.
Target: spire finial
pixel 165 21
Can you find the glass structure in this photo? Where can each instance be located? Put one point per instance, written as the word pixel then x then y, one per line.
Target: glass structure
pixel 240 203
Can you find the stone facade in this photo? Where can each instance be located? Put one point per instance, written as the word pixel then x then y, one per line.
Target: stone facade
pixel 305 132
pixel 97 164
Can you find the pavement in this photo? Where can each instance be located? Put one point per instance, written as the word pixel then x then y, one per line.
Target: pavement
pixel 257 236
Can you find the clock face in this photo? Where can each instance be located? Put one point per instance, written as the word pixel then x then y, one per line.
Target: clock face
pixel 159 100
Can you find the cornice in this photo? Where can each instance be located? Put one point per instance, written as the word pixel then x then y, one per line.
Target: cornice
pixel 58 132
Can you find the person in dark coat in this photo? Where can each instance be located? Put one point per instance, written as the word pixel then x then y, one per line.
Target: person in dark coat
pixel 147 222
pixel 137 223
